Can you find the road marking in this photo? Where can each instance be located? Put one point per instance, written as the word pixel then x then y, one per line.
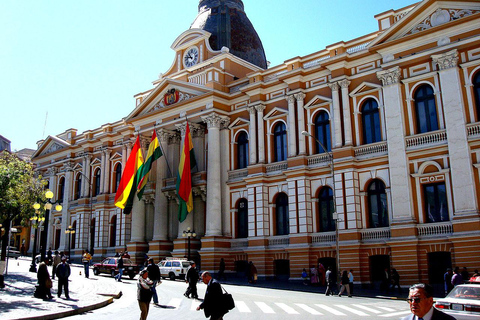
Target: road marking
pixel 360 313
pixel 195 304
pixel 242 306
pixel 263 306
pixel 394 314
pixel 331 310
pixel 286 308
pixel 175 302
pixel 308 309
pixel 387 309
pixel 366 308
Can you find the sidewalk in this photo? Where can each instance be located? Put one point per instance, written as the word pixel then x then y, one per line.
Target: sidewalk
pixel 17 301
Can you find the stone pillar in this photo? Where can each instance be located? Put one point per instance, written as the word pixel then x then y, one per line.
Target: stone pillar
pixel 291 129
pixel 397 156
pixel 337 125
pixel 124 157
pixel 252 141
pixel 463 184
pixel 261 133
pixel 106 171
pixel 225 189
pixel 86 173
pixel 198 140
pixel 67 195
pixel 214 198
pixel 138 220
pixel 102 171
pixel 347 117
pixel 149 217
pixel 302 148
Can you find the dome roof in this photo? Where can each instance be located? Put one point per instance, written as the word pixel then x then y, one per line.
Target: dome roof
pixel 230 27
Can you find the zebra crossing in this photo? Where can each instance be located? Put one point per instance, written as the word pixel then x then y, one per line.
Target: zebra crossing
pixel 319 309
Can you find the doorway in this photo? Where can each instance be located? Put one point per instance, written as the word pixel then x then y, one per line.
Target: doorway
pixel 378 264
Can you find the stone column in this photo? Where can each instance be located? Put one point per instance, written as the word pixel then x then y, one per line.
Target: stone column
pixel 138 220
pixel 124 157
pixel 224 157
pixel 261 133
pixel 397 156
pixel 102 171
pixel 68 169
pixel 149 217
pixel 198 140
pixel 463 184
pixel 106 171
pixel 347 117
pixel 291 130
pixel 214 191
pixel 86 173
pixel 252 141
pixel 337 125
pixel 302 149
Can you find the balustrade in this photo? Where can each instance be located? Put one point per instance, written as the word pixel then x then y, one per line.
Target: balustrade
pixel 433 229
pixel 376 234
pixel 434 137
pixel 379 147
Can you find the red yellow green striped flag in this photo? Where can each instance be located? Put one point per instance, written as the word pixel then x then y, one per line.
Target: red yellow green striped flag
pixel 154 152
pixel 184 177
pixel 129 181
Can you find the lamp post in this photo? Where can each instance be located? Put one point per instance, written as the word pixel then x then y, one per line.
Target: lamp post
pixel 69 233
pixel 189 234
pixel 48 207
pixel 36 220
pixel 334 213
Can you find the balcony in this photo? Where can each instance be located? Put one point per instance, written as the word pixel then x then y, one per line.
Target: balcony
pixel 318 159
pixel 435 229
pixel 279 241
pixel 473 130
pixel 239 243
pixel 375 234
pixel 276 166
pixel 237 174
pixel 379 148
pixel 430 138
pixel 324 237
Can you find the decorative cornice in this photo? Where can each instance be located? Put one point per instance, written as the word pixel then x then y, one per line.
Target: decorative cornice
pixel 446 60
pixel 389 77
pixel 441 16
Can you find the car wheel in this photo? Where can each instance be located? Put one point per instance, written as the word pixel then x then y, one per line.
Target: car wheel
pixel 172 276
pixel 131 275
pixel 112 273
pixel 95 271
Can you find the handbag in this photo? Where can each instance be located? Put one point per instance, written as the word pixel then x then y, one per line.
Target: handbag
pixel 48 283
pixel 228 302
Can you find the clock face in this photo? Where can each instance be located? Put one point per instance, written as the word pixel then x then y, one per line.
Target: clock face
pixel 190 57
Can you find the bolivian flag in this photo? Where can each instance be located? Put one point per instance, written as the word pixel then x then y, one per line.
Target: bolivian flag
pixel 154 152
pixel 129 181
pixel 184 177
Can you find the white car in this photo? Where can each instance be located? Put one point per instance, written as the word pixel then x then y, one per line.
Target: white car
pixel 463 302
pixel 174 268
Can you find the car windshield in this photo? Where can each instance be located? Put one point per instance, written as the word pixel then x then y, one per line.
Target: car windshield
pixel 465 292
pixel 186 264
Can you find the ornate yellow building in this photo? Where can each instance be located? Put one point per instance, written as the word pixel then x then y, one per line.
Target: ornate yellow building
pixel 397 109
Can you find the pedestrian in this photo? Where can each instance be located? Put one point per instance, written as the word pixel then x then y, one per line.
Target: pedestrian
pixel 313 276
pixel 126 255
pixel 86 258
pixel 396 280
pixel 49 256
pixel 118 277
pixel 457 277
pixel 191 278
pixel 447 279
pixel 221 270
pixel 345 284
pixel 305 277
pixel 350 281
pixel 420 299
pixel 154 275
pixel 63 272
pixel 57 259
pixel 252 273
pixel 212 304
pixel 44 282
pixel 22 249
pixel 144 293
pixel 331 281
pixel 321 274
pixel 385 284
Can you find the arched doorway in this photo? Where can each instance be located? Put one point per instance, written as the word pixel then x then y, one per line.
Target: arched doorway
pixel 378 264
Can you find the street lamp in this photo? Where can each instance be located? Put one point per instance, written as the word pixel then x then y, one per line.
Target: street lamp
pixel 334 213
pixel 69 233
pixel 36 220
pixel 189 234
pixel 48 207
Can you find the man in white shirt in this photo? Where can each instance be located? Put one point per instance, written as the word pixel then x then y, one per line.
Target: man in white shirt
pixel 420 298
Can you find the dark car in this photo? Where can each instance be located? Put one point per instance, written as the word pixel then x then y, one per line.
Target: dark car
pixel 463 302
pixel 109 266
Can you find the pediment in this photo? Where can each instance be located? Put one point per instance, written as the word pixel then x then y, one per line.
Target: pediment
pixel 427 15
pixel 239 122
pixel 116 156
pixel 318 100
pixel 50 145
pixel 190 37
pixel 275 113
pixel 365 87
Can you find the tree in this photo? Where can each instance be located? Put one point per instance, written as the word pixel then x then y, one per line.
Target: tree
pixel 20 188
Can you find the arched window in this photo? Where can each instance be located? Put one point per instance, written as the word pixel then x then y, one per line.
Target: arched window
pixel 96 190
pixel 280 142
pixel 476 92
pixel 118 176
pixel 325 210
pixel 78 186
pixel 61 189
pixel 242 150
pixel 322 132
pixel 425 109
pixel 436 207
pixel 113 231
pixel 371 122
pixel 242 219
pixel 377 205
pixel 281 215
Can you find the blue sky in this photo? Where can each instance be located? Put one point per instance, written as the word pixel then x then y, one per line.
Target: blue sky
pixel 83 61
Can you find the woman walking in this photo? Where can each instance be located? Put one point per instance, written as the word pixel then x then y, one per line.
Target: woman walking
pixel 345 284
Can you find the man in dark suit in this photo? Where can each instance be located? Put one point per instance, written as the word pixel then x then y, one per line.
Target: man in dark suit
pixel 420 298
pixel 212 304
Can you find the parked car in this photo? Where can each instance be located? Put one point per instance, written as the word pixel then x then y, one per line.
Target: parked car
pixel 463 302
pixel 12 252
pixel 109 266
pixel 174 268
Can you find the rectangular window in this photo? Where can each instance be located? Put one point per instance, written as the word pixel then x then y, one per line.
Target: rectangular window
pixel 435 198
